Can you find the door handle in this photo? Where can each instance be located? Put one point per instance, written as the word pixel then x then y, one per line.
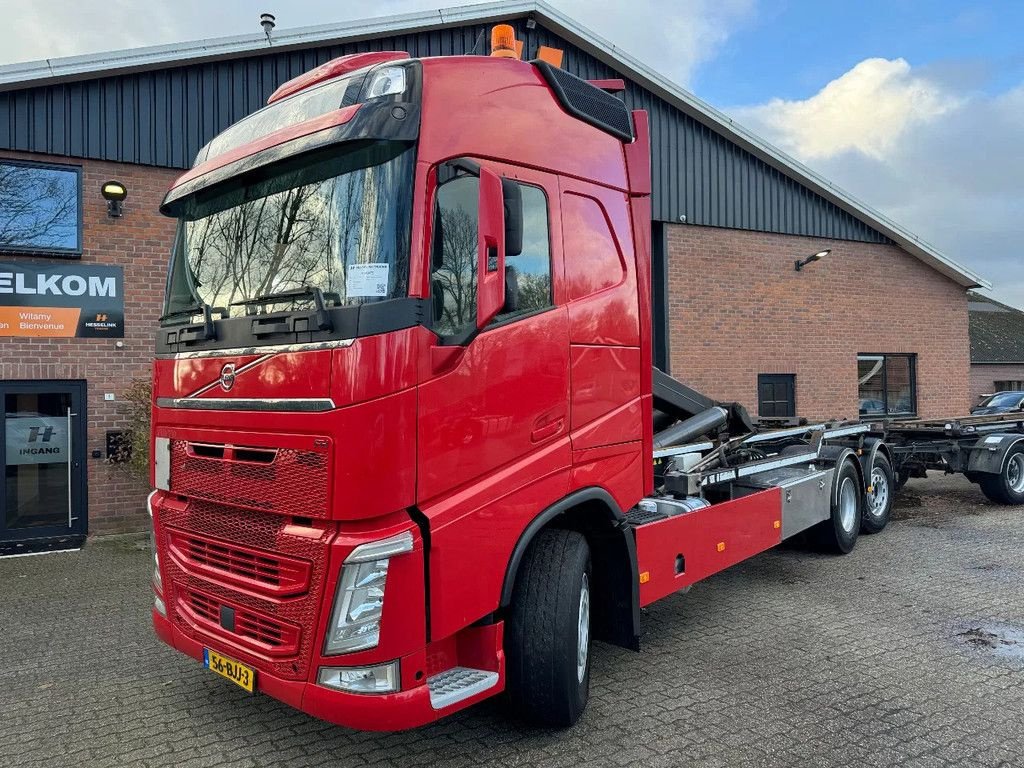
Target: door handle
pixel 544 431
pixel 71 465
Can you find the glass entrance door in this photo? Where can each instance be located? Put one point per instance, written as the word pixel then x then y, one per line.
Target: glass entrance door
pixel 42 452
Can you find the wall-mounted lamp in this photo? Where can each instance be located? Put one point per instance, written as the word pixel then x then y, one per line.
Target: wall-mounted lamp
pixel 801 263
pixel 114 192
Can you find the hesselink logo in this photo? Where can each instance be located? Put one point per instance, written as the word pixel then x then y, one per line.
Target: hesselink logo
pixel 102 322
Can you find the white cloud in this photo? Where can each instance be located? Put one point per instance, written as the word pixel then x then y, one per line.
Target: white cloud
pixel 673 37
pixel 943 161
pixel 869 110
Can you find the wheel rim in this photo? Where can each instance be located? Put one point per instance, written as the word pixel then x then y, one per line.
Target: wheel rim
pixel 1015 473
pixel 583 630
pixel 847 504
pixel 880 495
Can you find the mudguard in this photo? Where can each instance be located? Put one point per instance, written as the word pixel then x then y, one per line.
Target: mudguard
pixel 989 454
pixel 872 447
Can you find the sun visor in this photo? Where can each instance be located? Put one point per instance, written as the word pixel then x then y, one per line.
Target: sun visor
pixel 392 121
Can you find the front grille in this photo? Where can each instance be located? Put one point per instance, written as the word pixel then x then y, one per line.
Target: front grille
pixel 252 569
pixel 199 570
pixel 262 634
pixel 287 481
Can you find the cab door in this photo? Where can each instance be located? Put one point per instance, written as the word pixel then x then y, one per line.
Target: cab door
pixel 493 424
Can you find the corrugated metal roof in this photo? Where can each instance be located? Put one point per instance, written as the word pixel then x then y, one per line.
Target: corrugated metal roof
pixel 704 165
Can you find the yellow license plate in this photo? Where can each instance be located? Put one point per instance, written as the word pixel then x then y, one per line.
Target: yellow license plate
pixel 237 673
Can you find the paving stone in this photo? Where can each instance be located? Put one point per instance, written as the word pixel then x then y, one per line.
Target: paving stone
pixel 789 659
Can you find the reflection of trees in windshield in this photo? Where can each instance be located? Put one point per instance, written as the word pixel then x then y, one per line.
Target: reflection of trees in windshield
pixel 309 235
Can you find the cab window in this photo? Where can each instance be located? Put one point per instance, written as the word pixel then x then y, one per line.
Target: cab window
pixel 453 281
pixel 528 274
pixel 453 275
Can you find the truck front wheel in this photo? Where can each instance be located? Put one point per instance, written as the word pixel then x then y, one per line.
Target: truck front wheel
pixel 547 635
pixel 1008 486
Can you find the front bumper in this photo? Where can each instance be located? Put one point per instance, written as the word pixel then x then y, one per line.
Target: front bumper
pixel 405 709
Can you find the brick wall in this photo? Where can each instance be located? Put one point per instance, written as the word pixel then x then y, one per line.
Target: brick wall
pixel 984 377
pixel 140 242
pixel 738 308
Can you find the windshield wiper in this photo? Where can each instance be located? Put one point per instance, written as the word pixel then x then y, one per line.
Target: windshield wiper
pixel 199 308
pixel 323 320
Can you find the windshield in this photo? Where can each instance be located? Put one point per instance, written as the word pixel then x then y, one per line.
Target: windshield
pixel 337 221
pixel 1005 400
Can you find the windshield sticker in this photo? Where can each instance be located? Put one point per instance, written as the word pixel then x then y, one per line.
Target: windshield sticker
pixel 367 280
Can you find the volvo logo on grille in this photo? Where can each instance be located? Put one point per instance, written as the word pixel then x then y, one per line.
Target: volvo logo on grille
pixel 227 377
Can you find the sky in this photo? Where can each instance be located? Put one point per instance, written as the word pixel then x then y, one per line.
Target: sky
pixel 915 107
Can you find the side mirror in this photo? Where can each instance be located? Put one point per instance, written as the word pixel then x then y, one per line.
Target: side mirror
pixel 490 295
pixel 513 198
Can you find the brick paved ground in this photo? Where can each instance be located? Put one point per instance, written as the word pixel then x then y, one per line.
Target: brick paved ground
pixel 790 659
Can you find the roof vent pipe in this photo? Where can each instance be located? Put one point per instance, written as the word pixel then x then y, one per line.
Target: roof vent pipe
pixel 268 22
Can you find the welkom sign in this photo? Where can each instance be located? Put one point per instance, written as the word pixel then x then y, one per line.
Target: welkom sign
pixel 65 300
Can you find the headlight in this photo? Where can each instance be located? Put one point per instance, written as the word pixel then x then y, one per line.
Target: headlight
pixel 158 582
pixel 359 599
pixel 382 678
pixel 386 82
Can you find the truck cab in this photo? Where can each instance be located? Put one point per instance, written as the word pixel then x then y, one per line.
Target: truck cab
pixel 402 390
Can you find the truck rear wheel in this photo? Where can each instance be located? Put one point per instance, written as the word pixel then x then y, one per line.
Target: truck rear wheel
pixel 1008 486
pixel 547 640
pixel 839 533
pixel 878 502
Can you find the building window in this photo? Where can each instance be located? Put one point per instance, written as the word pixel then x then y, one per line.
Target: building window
pixel 1009 386
pixel 776 395
pixel 40 208
pixel 887 384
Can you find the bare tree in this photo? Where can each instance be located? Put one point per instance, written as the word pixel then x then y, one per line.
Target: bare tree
pixel 38 207
pixel 534 291
pixel 456 279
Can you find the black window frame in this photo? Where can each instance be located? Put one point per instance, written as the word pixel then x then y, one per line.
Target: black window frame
pixel 62 253
pixel 763 378
pixel 911 357
pixel 1017 385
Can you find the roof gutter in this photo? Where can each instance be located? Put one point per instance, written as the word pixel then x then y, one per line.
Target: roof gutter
pixel 110 63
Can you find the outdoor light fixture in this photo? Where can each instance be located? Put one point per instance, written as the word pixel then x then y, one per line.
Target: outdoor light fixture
pixel 801 263
pixel 114 192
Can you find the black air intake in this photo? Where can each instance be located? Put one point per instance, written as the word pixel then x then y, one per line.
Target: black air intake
pixel 587 102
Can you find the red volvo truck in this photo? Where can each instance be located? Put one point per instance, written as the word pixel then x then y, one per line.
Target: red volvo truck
pixel 409 450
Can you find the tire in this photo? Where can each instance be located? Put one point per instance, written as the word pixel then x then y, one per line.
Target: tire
pixel 878 503
pixel 1008 486
pixel 547 641
pixel 838 534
